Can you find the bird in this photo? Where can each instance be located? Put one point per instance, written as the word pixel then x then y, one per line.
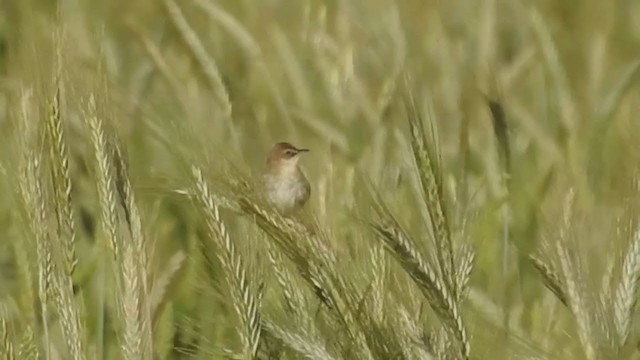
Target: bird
pixel 288 190
pixel 285 186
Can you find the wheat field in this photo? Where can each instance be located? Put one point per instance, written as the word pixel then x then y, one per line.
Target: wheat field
pixel 474 169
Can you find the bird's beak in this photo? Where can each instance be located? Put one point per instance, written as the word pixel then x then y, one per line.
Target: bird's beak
pixel 303 150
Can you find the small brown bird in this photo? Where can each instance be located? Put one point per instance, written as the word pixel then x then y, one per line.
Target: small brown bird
pixel 287 189
pixel 285 186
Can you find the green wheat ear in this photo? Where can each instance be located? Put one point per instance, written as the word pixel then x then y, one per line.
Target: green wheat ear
pixel 245 301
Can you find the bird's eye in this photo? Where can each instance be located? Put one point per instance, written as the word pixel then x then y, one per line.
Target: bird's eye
pixel 290 153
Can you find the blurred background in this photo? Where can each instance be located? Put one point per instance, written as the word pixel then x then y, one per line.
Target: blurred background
pixel 218 82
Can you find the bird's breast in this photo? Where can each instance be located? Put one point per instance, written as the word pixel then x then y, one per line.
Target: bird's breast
pixel 287 193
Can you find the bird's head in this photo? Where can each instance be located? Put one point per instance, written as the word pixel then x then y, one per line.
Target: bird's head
pixel 284 157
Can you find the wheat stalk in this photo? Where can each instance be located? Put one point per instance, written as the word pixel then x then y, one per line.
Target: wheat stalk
pixel 576 301
pixel 62 184
pixel 314 261
pixel 155 55
pixel 427 163
pixel 69 316
pixel 26 297
pixel 573 283
pixel 626 294
pixel 206 62
pixel 293 240
pixel 105 177
pixel 430 282
pixel 65 253
pixel 157 296
pixel 293 298
pixel 433 288
pixel 234 27
pixel 136 302
pixel 379 264
pixel 28 349
pixel 244 301
pixel 33 195
pixel 131 303
pixel 551 278
pixel 300 342
pixel 129 258
pixel 465 262
pixel 7 351
pixel 417 345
